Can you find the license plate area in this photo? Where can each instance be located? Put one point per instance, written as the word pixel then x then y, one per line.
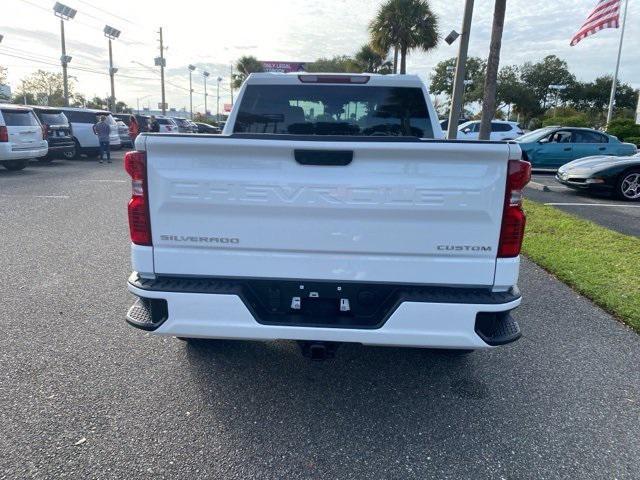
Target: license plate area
pixel 320 304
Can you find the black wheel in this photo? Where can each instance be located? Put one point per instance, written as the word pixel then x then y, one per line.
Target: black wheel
pixel 628 186
pixel 15 165
pixel 72 154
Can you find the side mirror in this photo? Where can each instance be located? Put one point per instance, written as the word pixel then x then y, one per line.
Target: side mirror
pixel 466 130
pixel 543 140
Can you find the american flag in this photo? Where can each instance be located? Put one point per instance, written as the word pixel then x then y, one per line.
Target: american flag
pixel 606 14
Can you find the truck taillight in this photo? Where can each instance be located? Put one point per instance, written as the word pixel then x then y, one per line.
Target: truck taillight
pixel 135 163
pixel 4 134
pixel 513 217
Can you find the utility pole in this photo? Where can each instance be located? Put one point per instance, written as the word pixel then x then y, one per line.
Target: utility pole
pixel 218 101
pixel 205 75
pixel 458 82
pixel 612 96
pixel 191 69
pixel 161 62
pixel 491 79
pixel 64 13
pixel 111 33
pixel 231 84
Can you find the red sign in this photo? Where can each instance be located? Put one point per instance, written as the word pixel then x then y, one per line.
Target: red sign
pixel 283 67
pixel 227 107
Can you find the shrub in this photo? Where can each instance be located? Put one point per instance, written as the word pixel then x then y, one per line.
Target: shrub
pixel 624 128
pixel 634 140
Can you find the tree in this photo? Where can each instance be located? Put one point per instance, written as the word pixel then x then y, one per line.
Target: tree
pixel 98 103
pixel 3 75
pixel 369 60
pixel 244 66
pixel 489 99
pixel 338 64
pixel 44 87
pixel 539 76
pixel 442 78
pixel 404 25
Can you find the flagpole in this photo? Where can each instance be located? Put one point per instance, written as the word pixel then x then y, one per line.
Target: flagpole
pixel 612 97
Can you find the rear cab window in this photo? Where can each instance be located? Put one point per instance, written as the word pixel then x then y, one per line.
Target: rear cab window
pixel 19 118
pixel 53 118
pixel 353 110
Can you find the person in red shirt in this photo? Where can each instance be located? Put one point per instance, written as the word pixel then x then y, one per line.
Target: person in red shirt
pixel 134 128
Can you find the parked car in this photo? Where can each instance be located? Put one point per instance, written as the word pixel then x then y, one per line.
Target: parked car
pixel 123 117
pixel 619 176
pixel 184 125
pixel 552 147
pixel 444 123
pixel 123 133
pixel 194 127
pixel 22 136
pixel 167 124
pixel 86 141
pixel 500 130
pixel 373 238
pixel 206 128
pixel 57 130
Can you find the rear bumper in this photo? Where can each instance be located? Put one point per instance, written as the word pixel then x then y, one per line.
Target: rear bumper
pixel 447 318
pixel 7 152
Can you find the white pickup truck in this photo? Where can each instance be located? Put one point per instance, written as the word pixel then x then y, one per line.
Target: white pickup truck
pixel 329 210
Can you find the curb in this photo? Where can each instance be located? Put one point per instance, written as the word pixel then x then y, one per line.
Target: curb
pixel 546 188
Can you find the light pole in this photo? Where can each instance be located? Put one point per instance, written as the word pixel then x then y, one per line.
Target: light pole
pixel 218 101
pixel 557 88
pixel 111 33
pixel 205 75
pixel 64 13
pixel 458 83
pixel 191 69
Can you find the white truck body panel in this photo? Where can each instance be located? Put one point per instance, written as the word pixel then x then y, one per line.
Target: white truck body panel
pixel 397 213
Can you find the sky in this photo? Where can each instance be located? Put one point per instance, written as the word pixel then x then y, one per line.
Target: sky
pixel 212 34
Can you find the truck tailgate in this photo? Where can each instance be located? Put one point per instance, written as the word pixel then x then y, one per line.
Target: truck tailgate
pixel 420 212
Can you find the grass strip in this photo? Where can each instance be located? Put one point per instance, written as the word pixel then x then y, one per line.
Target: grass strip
pixel 601 264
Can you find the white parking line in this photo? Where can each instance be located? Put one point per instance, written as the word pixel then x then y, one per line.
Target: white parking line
pixel 105 181
pixel 35 196
pixel 594 204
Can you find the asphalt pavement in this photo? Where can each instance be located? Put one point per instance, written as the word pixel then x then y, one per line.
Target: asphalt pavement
pixel 85 396
pixel 613 213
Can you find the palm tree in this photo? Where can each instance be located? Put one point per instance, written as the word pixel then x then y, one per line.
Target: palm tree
pixel 244 66
pixel 369 60
pixel 404 25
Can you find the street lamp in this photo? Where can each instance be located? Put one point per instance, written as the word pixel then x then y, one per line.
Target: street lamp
pixel 205 75
pixel 64 13
pixel 111 33
pixel 191 69
pixel 218 100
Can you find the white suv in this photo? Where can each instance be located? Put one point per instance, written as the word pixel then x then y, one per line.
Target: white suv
pixel 21 136
pixel 82 121
pixel 500 130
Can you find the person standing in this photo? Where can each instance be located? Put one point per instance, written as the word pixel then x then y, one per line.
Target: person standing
pixel 134 128
pixel 102 129
pixel 154 126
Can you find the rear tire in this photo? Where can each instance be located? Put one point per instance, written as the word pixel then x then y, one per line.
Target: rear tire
pixel 628 186
pixel 15 165
pixel 72 154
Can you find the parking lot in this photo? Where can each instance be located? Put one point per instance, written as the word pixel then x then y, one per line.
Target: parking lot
pixel 609 212
pixel 86 396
